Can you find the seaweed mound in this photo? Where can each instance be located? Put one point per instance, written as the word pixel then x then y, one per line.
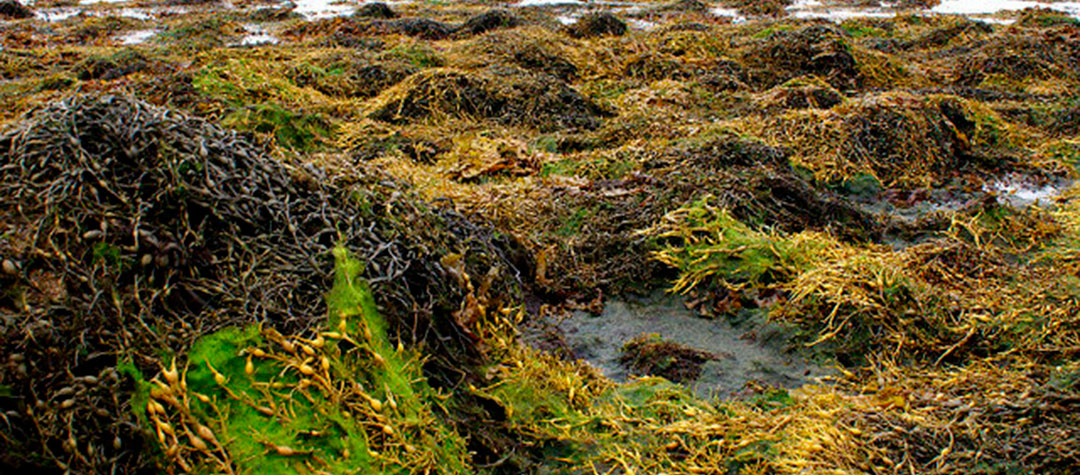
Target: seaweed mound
pixel 655 66
pixel 595 25
pixel 130 230
pixel 1039 56
pixel 685 6
pixel 13 9
pixel 353 75
pixel 422 28
pixel 773 8
pixel 524 50
pixel 489 21
pixel 750 178
pixel 801 93
pixel 375 10
pixel 819 50
pixel 1038 17
pixel 115 66
pixel 506 94
pixel 901 139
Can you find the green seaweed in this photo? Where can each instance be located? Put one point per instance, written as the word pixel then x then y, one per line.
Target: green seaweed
pixel 257 406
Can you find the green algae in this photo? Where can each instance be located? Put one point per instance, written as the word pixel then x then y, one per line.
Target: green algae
pixel 272 419
pixel 712 245
pixel 291 130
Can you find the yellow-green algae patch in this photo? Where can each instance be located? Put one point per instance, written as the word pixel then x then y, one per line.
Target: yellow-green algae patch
pixel 250 400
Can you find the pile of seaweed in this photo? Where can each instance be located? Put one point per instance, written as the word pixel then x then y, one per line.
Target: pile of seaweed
pixel 130 231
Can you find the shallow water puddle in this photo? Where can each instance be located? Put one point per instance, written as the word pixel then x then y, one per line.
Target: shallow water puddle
pixel 599 339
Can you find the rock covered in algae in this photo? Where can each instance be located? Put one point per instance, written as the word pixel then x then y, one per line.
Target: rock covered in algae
pixel 14 9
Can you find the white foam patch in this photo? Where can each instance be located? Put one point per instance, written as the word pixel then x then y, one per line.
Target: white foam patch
pixel 644 25
pixel 317 9
pixel 257 36
pixel 549 3
pixel 1020 192
pixel 143 14
pixel 988 7
pixel 734 14
pixel 136 37
pixel 841 14
pixel 566 19
pixel 57 14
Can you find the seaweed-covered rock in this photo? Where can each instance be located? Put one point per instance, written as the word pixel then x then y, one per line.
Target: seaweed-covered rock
pixel 375 10
pixel 423 28
pixel 350 75
pixel 962 29
pixel 725 75
pixel 1067 121
pixel 902 140
pixel 820 50
pixel 107 68
pixel 14 9
pixel 596 25
pixel 751 179
pixel 506 94
pixel 648 355
pixel 537 59
pixel 285 11
pixel 654 66
pixel 773 8
pixel 1020 57
pixel 685 6
pixel 522 50
pixel 142 229
pixel 490 20
pixel 1039 17
pixel 801 93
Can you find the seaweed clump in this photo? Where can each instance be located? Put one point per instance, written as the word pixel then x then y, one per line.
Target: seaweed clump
pixel 801 93
pixel 140 229
pixel 489 21
pixel 14 9
pixel 900 139
pixel 505 94
pixel 771 8
pixel 606 232
pixel 350 76
pixel 819 50
pixel 596 25
pixel 1007 59
pixel 115 66
pixel 422 28
pixel 375 10
pixel 648 355
pixel 359 402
